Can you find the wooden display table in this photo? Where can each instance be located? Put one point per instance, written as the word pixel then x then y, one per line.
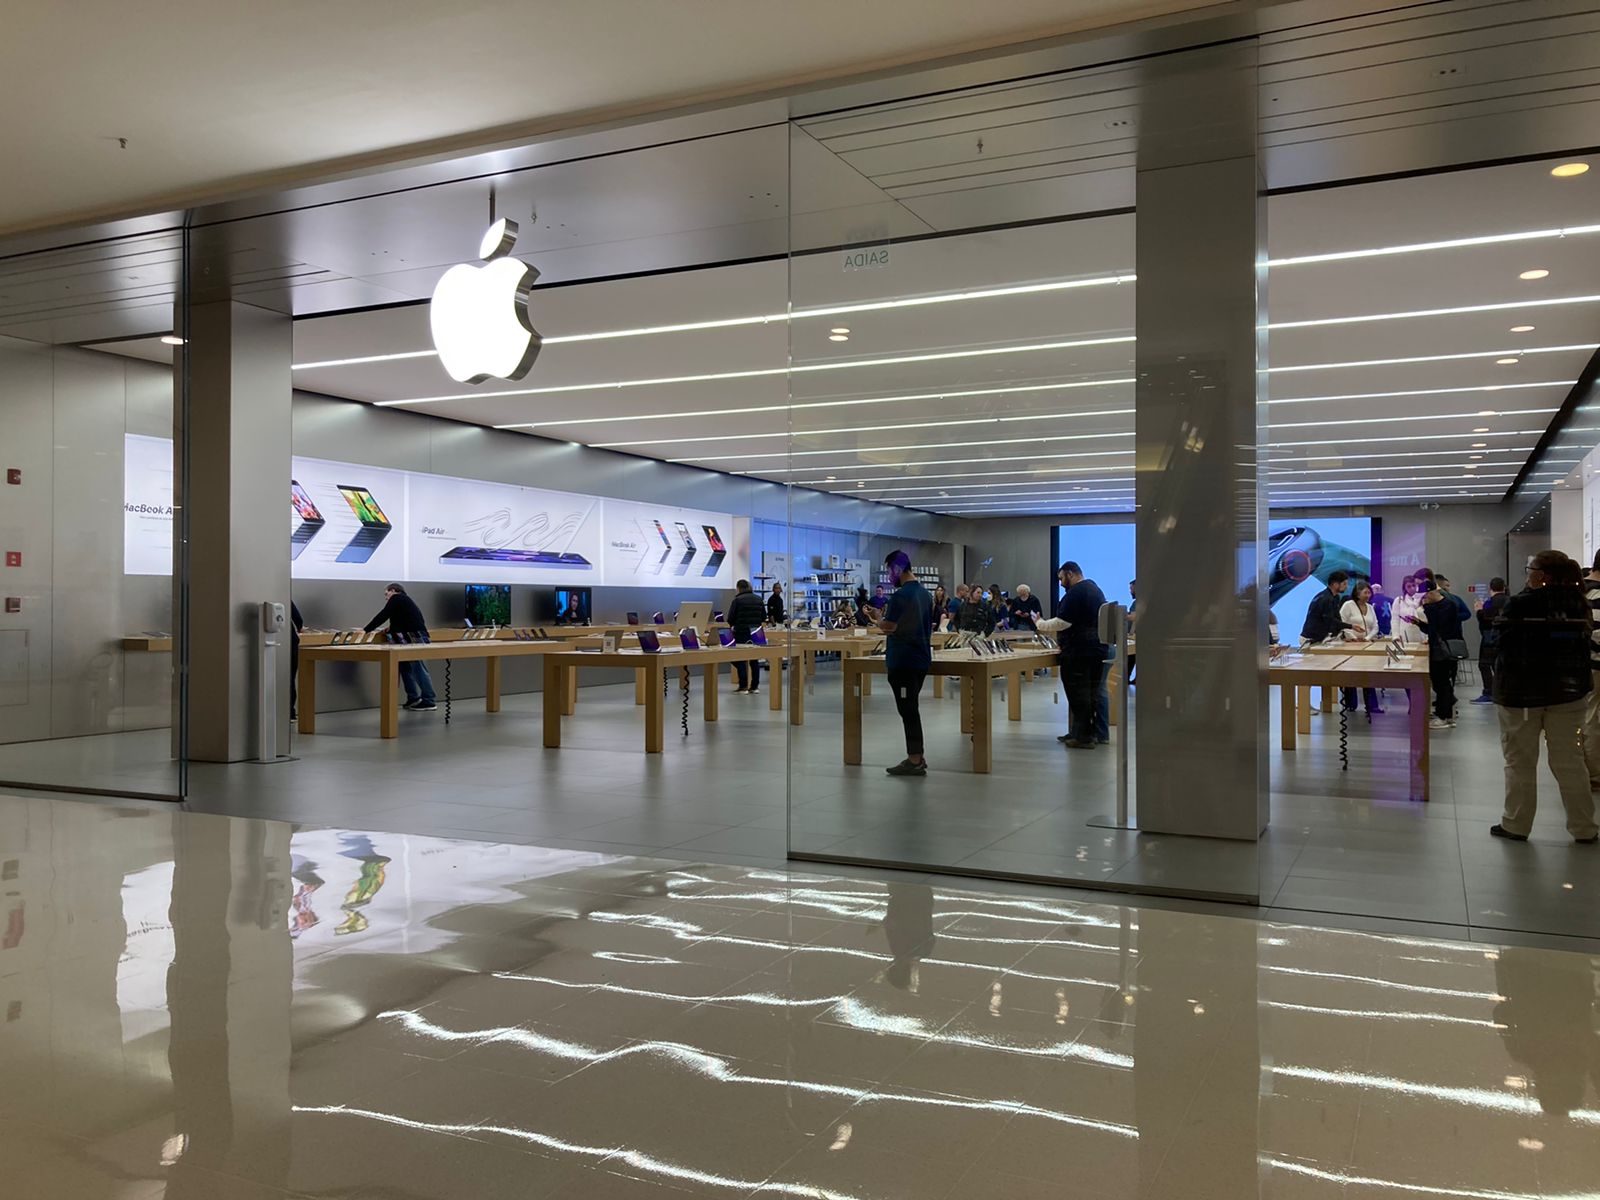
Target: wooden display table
pixel 977 694
pixel 389 656
pixel 1369 670
pixel 561 668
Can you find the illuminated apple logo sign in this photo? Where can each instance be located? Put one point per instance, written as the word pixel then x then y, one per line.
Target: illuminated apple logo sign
pixel 480 314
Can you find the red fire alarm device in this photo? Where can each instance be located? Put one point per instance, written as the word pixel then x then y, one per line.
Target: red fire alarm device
pixel 13 558
pixel 13 474
pixel 13 604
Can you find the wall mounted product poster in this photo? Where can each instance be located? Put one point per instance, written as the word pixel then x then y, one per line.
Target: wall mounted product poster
pixel 146 505
pixel 1301 553
pixel 471 531
pixel 346 521
pixel 658 545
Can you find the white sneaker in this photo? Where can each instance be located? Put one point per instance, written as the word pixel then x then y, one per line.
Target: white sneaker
pixel 1438 723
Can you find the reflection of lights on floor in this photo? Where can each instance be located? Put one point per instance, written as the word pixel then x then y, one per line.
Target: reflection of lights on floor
pixel 841 1136
pixel 1473 1097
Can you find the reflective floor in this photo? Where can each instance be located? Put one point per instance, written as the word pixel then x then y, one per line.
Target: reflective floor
pixel 207 1007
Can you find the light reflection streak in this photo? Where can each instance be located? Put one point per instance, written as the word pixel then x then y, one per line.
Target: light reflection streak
pixel 1472 1097
pixel 1390 984
pixel 1297 1167
pixel 1374 1014
pixel 721 1070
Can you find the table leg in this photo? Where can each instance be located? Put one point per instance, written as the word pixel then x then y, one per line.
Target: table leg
pixel 1286 722
pixel 775 680
pixel 550 698
pixel 797 691
pixel 1418 699
pixel 710 689
pixel 389 698
pixel 969 689
pixel 1303 715
pixel 638 687
pixel 655 709
pixel 852 715
pixel 982 726
pixel 1014 696
pixel 491 686
pixel 811 661
pixel 938 687
pixel 866 683
pixel 569 692
pixel 1327 699
pixel 307 681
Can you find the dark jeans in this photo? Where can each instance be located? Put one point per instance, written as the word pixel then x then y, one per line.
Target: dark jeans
pixel 1369 697
pixel 1486 659
pixel 749 674
pixel 906 684
pixel 1442 674
pixel 1080 679
pixel 417 682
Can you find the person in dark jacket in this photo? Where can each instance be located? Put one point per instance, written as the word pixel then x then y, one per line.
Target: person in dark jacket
pixel 975 614
pixel 775 613
pixel 1489 636
pixel 1442 619
pixel 744 615
pixel 406 624
pixel 1025 608
pixel 1322 615
pixel 1541 685
pixel 1077 622
pixel 296 624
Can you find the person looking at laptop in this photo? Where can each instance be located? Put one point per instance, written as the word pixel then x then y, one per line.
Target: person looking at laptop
pixel 908 621
pixel 405 621
pixel 744 615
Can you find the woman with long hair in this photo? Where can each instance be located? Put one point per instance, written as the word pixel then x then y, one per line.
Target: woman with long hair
pixel 1359 613
pixel 1406 621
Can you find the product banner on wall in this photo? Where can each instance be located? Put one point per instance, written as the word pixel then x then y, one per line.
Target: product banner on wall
pixel 146 505
pixel 348 521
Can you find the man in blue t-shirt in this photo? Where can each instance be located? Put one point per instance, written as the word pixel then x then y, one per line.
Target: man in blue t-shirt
pixel 908 622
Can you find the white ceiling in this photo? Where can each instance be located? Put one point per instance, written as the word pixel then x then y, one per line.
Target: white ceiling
pixel 221 97
pixel 956 393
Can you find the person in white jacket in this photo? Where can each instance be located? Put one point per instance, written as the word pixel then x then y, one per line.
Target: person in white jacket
pixel 1406 621
pixel 1358 613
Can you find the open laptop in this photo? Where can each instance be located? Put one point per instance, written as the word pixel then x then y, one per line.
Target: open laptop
pixel 374 525
pixel 309 517
pixel 633 618
pixel 694 614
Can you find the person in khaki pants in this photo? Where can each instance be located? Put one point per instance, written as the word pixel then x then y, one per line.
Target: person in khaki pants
pixel 1542 686
pixel 1591 716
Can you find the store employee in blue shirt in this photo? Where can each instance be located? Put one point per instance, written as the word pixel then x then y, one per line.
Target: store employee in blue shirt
pixel 908 622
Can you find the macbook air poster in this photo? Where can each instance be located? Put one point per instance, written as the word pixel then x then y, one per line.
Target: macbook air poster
pixel 654 545
pixel 345 520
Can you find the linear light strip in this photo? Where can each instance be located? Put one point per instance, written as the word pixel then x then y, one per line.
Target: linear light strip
pixel 812 433
pixel 1435 358
pixel 1432 312
pixel 1518 412
pixel 1063 437
pixel 1449 391
pixel 1492 239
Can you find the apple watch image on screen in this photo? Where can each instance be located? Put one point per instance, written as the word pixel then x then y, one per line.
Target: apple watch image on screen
pixel 1293 556
pixel 462 556
pixel 690 550
pixel 374 525
pixel 718 552
pixel 310 519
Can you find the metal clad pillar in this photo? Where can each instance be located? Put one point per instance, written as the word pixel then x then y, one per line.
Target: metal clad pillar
pixel 1199 437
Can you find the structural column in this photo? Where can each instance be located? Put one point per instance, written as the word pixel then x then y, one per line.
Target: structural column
pixel 1201 733
pixel 238 361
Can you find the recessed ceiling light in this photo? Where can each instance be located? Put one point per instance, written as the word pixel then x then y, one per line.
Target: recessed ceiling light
pixel 1522 329
pixel 1569 170
pixel 1536 273
pixel 1481 429
pixel 1505 362
pixel 1474 456
pixel 172 340
pixel 1488 412
pixel 838 337
pixel 840 329
pixel 1480 445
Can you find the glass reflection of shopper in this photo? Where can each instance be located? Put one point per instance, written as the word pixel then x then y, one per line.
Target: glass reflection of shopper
pixel 405 621
pixel 908 621
pixel 1405 615
pixel 1542 683
pixel 1360 614
pixel 1489 643
pixel 745 615
pixel 296 624
pixel 775 613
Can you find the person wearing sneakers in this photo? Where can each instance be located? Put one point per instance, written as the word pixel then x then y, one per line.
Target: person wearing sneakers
pixel 1542 683
pixel 406 624
pixel 1489 636
pixel 908 621
pixel 1442 619
pixel 745 614
pixel 1083 656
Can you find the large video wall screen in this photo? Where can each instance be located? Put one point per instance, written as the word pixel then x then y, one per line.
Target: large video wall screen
pixel 1301 553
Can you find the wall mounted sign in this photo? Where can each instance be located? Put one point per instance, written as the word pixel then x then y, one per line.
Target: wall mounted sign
pixel 479 315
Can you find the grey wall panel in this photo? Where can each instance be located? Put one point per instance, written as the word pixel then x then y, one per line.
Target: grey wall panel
pixel 26 512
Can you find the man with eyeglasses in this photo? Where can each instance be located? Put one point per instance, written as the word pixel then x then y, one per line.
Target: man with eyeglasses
pixel 1542 683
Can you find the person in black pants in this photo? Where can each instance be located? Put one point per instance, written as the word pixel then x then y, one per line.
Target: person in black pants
pixel 1083 655
pixel 775 613
pixel 1489 637
pixel 908 621
pixel 1442 618
pixel 745 614
pixel 296 624
pixel 406 623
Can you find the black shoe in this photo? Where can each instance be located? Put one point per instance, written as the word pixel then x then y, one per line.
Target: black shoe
pixel 1102 741
pixel 1500 831
pixel 1065 737
pixel 907 767
pixel 1588 841
pixel 1374 711
pixel 409 705
pixel 1071 744
pixel 422 706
